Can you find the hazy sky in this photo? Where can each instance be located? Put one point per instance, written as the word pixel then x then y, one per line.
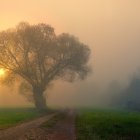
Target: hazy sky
pixel 110 27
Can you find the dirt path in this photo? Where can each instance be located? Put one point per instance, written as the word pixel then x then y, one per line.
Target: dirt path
pixel 20 132
pixel 64 129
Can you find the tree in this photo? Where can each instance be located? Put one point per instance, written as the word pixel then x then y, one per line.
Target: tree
pixel 39 56
pixel 130 95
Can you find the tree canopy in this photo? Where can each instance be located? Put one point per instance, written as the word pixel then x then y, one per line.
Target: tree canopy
pixel 37 55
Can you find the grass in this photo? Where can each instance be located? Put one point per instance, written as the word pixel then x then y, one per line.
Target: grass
pixel 107 125
pixel 10 117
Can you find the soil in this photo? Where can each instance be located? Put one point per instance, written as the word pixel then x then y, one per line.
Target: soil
pixel 63 129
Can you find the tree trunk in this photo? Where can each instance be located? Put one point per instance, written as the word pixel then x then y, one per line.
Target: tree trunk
pixel 39 99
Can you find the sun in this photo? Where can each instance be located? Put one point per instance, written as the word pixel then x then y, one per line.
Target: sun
pixel 2 72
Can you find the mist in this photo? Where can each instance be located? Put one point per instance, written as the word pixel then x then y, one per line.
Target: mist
pixel 110 28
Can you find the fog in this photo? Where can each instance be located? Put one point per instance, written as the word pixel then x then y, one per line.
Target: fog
pixel 109 27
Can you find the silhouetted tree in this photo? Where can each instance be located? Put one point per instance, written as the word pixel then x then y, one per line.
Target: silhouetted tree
pixel 37 55
pixel 131 96
pixel 128 96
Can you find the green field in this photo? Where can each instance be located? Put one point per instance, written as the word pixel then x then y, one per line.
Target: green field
pixel 10 117
pixel 107 125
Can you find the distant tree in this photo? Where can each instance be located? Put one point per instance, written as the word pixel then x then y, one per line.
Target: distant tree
pixel 38 56
pixel 129 96
pixel 132 94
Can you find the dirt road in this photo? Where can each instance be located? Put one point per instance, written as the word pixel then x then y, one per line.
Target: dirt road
pixel 20 132
pixel 63 129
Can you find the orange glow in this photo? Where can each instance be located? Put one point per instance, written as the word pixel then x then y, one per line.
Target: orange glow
pixel 2 72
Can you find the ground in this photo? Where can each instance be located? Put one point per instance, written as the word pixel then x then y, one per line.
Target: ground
pixel 83 124
pixel 33 130
pixel 64 129
pixel 12 116
pixel 108 125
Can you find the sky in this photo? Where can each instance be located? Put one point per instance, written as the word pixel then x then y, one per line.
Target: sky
pixel 109 27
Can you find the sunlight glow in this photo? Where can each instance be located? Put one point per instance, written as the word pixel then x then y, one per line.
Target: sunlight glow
pixel 2 72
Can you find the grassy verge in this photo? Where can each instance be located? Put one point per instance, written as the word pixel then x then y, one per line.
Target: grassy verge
pixel 10 117
pixel 108 125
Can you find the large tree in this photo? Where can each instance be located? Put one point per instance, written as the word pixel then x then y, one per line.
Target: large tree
pixel 37 55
